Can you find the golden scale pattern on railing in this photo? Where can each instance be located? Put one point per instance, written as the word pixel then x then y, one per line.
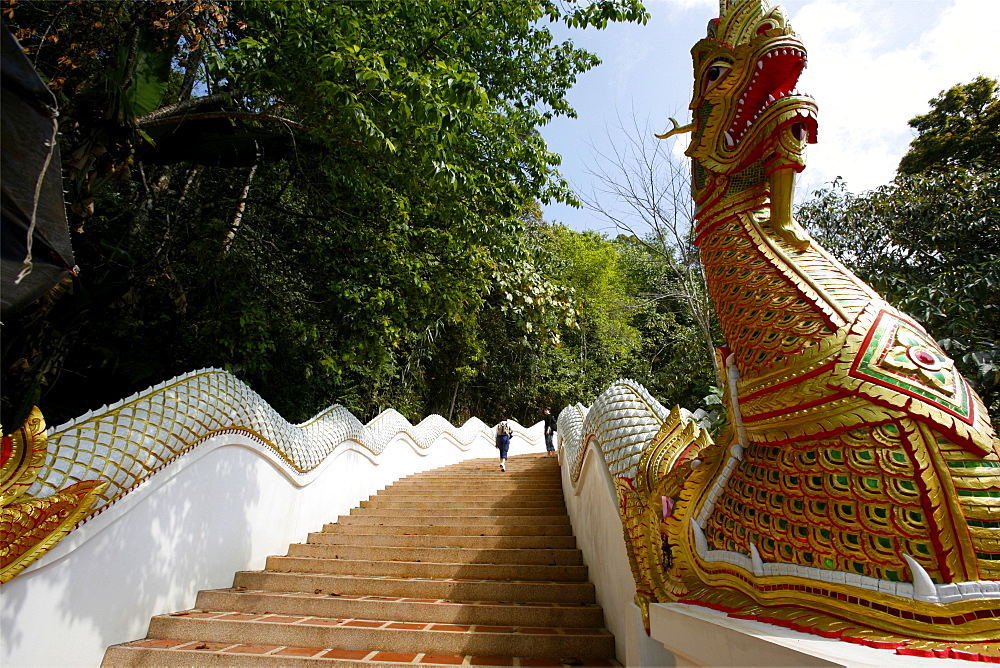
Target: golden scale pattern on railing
pixel 53 481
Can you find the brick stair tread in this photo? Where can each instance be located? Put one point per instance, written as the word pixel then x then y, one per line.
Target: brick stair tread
pixel 442 541
pixel 412 579
pixel 453 520
pixel 492 613
pixel 411 587
pixel 470 498
pixel 161 652
pixel 529 572
pixel 466 510
pixel 311 631
pixel 475 491
pixel 328 622
pixel 457 513
pixel 480 489
pixel 506 483
pixel 496 479
pixel 485 503
pixel 503 478
pixel 496 483
pixel 465 555
pixel 486 466
pixel 457 529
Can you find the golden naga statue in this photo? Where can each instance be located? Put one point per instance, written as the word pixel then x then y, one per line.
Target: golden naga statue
pixel 30 526
pixel 856 491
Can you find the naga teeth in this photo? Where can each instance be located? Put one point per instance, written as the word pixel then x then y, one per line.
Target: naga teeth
pixel 760 64
pixel 756 561
pixel 729 139
pixel 770 98
pixel 922 583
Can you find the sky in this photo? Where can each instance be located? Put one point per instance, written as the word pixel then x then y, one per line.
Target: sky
pixel 873 65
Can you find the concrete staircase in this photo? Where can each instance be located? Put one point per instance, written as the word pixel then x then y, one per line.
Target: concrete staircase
pixel 463 565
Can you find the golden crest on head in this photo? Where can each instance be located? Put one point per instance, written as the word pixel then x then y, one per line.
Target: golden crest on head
pixel 740 20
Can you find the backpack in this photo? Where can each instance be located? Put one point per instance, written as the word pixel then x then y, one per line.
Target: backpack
pixel 504 430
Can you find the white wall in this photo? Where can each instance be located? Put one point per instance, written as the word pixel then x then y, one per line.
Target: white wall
pixel 223 507
pixel 593 510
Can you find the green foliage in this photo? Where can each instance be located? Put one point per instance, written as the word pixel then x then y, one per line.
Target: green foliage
pixel 676 365
pixel 327 201
pixel 627 324
pixel 139 87
pixel 930 244
pixel 961 130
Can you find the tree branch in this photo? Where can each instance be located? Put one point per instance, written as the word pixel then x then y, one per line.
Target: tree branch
pixel 146 119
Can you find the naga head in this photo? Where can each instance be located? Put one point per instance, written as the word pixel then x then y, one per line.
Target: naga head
pixel 751 125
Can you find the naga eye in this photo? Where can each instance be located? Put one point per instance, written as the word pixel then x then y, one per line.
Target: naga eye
pixel 714 74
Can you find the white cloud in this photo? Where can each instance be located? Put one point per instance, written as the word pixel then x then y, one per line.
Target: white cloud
pixel 682 5
pixel 873 65
pixel 871 72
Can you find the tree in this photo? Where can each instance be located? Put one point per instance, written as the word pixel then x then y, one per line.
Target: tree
pixel 930 244
pixel 306 193
pixel 673 363
pixel 961 130
pixel 644 189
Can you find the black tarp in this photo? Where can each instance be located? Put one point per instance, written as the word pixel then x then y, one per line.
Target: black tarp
pixel 30 162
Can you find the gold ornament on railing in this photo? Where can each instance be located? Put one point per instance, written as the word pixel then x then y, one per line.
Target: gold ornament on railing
pixel 30 526
pixel 51 484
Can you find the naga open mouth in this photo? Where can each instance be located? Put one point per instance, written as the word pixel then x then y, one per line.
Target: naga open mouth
pixel 772 88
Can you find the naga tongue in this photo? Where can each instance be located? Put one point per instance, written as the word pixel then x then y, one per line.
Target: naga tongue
pixel 782 222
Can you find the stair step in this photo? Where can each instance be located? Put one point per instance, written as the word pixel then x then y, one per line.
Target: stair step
pixel 474 497
pixel 386 500
pixel 186 653
pixel 455 529
pixel 412 509
pixel 481 466
pixel 442 541
pixel 321 632
pixel 502 481
pixel 455 520
pixel 513 591
pixel 470 485
pixel 465 555
pixel 442 611
pixel 493 477
pixel 420 569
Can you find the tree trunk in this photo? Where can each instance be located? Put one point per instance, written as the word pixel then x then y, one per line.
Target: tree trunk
pixel 451 409
pixel 240 208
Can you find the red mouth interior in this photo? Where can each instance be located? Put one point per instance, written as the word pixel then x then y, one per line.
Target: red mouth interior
pixel 775 75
